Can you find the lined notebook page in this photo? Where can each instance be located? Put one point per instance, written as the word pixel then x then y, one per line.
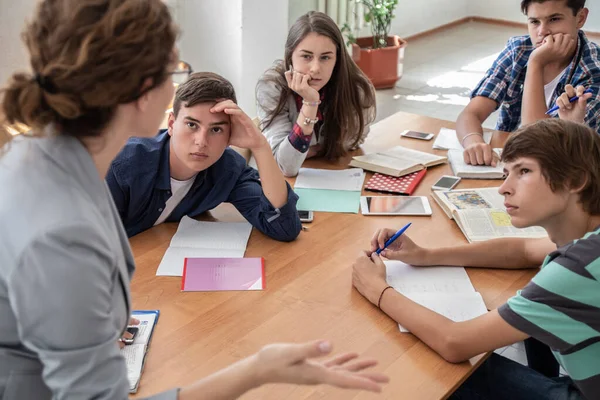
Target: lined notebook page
pixel 204 239
pixel 445 290
pixel 344 179
pixel 408 279
pixel 456 306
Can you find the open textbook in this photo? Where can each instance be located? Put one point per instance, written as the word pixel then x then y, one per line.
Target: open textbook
pixel 481 215
pixel 445 290
pixel 397 161
pixel 135 354
pixel 199 239
pixel 463 170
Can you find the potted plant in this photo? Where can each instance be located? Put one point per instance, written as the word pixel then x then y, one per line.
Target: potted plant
pixel 379 56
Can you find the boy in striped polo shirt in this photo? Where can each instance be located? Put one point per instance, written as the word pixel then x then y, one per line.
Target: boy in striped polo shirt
pixel 553 181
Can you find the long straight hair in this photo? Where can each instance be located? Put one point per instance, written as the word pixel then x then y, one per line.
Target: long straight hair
pixel 349 102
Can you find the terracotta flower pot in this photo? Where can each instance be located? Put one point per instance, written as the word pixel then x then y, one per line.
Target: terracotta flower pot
pixel 382 66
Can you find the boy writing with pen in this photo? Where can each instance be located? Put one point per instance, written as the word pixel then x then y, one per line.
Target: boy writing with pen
pixel 553 181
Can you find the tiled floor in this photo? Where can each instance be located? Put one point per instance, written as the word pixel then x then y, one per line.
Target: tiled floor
pixel 441 69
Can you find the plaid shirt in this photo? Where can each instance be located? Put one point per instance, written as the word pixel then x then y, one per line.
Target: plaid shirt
pixel 297 138
pixel 504 81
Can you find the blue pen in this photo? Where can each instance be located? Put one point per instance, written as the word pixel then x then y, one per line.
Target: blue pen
pixel 391 240
pixel 572 99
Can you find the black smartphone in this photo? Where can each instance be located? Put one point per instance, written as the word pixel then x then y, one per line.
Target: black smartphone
pixel 133 330
pixel 305 216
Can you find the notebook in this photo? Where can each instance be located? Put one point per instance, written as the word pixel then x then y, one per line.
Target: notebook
pixel 480 214
pixel 447 140
pixel 135 354
pixel 329 190
pixel 397 161
pixel 199 239
pixel 466 171
pixel 445 290
pixel 403 185
pixel 216 274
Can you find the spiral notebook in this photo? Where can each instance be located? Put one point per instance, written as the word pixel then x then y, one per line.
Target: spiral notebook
pixel 403 185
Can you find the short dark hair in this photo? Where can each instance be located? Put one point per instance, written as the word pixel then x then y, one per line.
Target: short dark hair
pixel 574 5
pixel 203 87
pixel 568 154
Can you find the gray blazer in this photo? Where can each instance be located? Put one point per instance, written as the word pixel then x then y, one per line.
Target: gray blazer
pixel 288 158
pixel 65 267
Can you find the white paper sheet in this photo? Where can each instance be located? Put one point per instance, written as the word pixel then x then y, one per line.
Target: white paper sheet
pixel 447 140
pixel 456 306
pixel 204 239
pixel 344 179
pixel 408 279
pixel 134 359
pixel 445 290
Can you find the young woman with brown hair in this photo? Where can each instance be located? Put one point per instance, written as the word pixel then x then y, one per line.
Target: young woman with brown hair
pixel 102 71
pixel 316 101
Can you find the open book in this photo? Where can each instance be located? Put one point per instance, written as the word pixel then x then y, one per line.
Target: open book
pixel 135 354
pixel 204 240
pixel 467 171
pixel 397 161
pixel 445 290
pixel 481 215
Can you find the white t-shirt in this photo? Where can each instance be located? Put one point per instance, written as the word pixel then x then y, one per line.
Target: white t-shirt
pixel 178 189
pixel 551 87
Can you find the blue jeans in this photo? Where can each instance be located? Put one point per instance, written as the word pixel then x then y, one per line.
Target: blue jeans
pixel 501 378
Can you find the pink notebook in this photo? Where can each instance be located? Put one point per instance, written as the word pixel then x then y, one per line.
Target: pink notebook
pixel 216 274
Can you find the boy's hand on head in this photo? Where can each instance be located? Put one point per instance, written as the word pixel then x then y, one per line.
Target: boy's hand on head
pixel 573 111
pixel 244 133
pixel 554 48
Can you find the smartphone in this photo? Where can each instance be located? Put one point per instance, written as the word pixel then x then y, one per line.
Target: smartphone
pixel 305 216
pixel 446 182
pixel 133 330
pixel 395 205
pixel 417 135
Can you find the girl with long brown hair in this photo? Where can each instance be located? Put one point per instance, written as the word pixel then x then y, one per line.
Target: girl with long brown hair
pixel 316 101
pixel 102 71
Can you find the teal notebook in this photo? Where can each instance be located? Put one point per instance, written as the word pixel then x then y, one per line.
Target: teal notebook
pixel 329 190
pixel 328 200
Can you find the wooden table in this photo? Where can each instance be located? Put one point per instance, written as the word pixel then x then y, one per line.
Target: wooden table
pixel 309 295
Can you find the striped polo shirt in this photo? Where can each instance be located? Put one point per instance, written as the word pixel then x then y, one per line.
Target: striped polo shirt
pixel 561 308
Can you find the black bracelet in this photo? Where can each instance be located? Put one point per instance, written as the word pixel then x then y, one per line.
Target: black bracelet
pixel 381 295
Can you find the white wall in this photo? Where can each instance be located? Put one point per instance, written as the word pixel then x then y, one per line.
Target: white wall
pixel 411 17
pixel 510 10
pixel 211 36
pixel 422 15
pixel 233 38
pixel 263 41
pixel 12 21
